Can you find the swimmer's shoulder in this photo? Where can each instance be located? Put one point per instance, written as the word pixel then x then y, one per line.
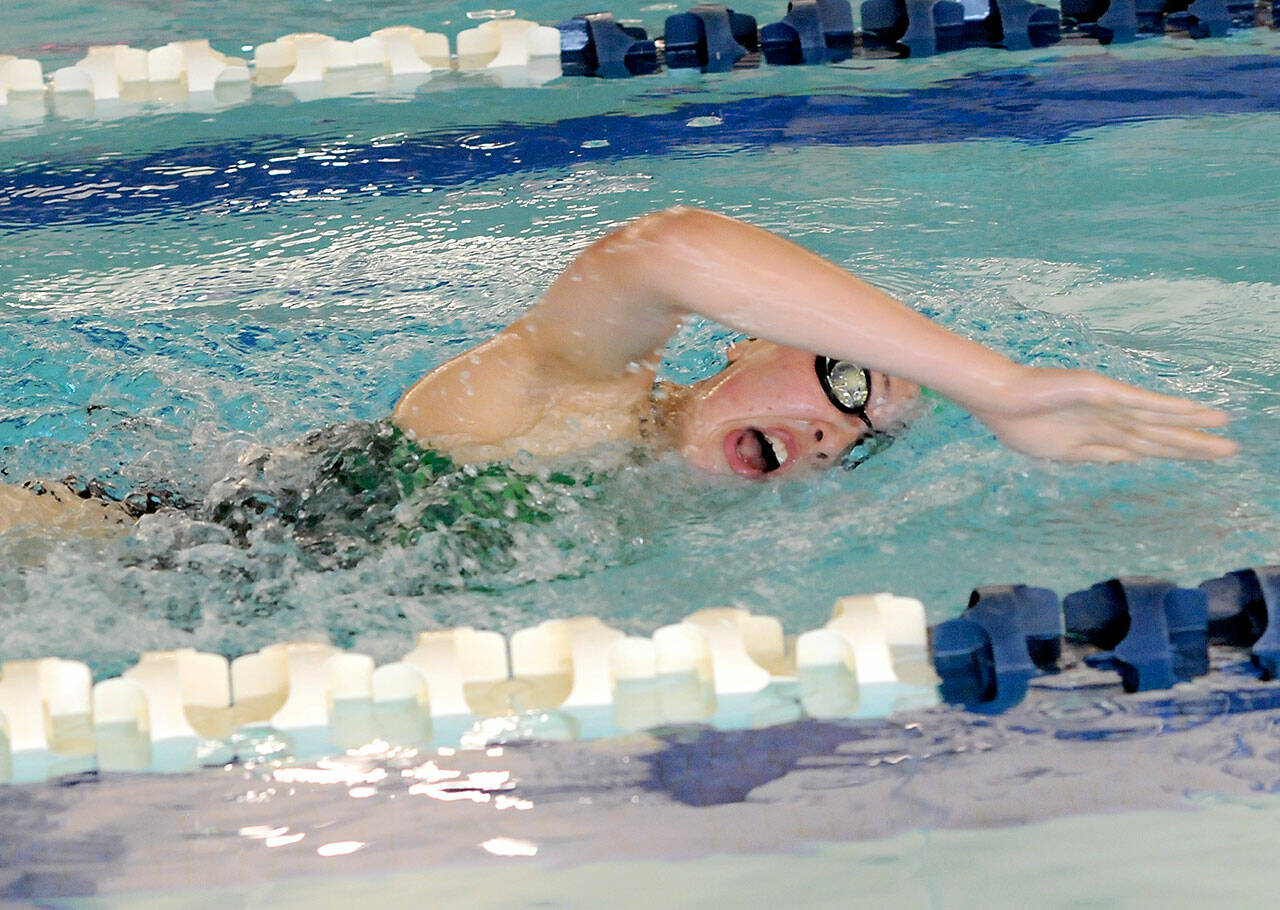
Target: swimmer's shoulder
pixel 504 398
pixel 52 508
pixel 480 397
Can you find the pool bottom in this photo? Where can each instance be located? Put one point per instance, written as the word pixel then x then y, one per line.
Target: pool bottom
pixel 1052 800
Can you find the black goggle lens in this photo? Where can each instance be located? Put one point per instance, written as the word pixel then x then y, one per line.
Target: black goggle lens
pixel 846 385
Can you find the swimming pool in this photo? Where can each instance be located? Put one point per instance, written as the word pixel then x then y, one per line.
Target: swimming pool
pixel 210 280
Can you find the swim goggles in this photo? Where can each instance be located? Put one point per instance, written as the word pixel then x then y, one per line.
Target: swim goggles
pixel 846 385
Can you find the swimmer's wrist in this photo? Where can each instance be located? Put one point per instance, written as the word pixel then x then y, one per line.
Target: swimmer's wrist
pixel 985 383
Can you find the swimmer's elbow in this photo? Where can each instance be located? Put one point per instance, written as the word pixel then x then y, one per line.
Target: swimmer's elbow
pixel 679 223
pixel 660 245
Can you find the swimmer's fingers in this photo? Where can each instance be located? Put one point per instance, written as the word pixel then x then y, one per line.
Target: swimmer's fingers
pixel 1154 407
pixel 1163 441
pixel 1136 449
pixel 1139 439
pixel 1080 416
pixel 1038 390
pixel 1152 425
pixel 1195 416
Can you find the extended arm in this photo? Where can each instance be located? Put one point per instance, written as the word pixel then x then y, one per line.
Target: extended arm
pixel 605 320
pixel 620 301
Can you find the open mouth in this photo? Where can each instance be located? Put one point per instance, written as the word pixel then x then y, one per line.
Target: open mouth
pixel 754 452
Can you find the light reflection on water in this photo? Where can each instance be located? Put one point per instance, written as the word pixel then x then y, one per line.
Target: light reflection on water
pixel 157 349
pixel 378 771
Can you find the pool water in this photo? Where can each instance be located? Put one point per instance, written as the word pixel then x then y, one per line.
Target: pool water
pixel 179 286
pixel 1059 863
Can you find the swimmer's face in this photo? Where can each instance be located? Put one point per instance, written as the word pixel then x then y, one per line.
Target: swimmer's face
pixel 766 415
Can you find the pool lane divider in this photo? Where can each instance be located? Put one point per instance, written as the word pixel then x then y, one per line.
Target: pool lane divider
pixel 1150 632
pixel 580 678
pixel 575 678
pixel 708 37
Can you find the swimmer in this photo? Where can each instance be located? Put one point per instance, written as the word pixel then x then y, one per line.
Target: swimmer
pixel 831 360
pixel 830 363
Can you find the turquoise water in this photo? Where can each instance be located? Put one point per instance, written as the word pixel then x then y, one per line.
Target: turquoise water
pixel 178 286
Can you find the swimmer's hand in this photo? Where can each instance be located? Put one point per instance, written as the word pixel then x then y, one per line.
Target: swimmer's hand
pixel 1072 415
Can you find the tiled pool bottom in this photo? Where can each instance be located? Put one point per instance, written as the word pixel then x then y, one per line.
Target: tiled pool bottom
pixel 1073 796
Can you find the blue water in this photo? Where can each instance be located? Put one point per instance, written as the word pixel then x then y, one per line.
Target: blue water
pixel 1041 104
pixel 180 285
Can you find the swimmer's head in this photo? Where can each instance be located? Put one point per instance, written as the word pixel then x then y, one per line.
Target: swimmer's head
pixel 773 410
